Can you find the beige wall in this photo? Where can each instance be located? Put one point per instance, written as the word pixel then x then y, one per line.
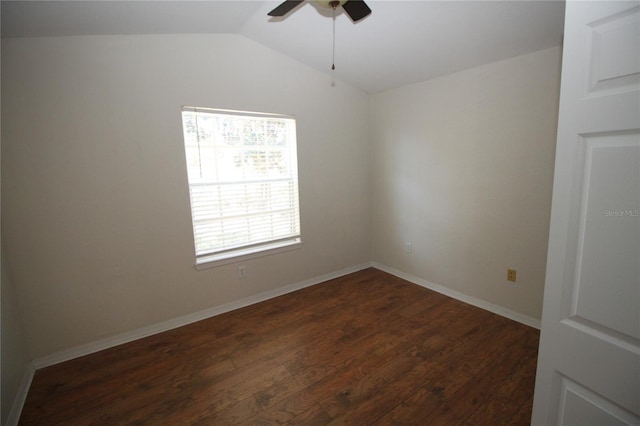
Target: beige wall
pixel 95 204
pixel 13 351
pixel 96 219
pixel 15 358
pixel 462 168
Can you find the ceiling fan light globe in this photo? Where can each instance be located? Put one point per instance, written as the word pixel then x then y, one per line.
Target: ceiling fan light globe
pixel 327 3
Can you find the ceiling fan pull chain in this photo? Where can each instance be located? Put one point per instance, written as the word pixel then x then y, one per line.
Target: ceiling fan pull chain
pixel 333 57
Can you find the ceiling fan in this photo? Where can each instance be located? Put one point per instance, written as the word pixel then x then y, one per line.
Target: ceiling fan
pixel 356 9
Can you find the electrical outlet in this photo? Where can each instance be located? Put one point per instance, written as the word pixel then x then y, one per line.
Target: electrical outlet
pixel 408 248
pixel 511 275
pixel 242 272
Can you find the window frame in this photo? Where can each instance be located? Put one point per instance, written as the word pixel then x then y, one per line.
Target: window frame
pixel 252 250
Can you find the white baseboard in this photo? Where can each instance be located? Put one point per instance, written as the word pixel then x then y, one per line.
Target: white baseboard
pixel 487 306
pixel 140 333
pixel 21 396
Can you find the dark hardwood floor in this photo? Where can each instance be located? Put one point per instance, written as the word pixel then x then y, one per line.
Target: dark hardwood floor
pixel 364 349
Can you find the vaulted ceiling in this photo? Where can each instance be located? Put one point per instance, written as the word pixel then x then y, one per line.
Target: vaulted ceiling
pixel 401 42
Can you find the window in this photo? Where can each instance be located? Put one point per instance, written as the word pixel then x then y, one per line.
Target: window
pixel 243 182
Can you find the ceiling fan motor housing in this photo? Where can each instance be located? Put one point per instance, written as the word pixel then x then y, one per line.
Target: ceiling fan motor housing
pixel 330 3
pixel 356 9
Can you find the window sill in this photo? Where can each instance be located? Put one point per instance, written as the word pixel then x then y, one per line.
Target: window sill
pixel 241 255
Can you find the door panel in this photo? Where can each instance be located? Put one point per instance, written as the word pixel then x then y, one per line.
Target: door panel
pixel 589 358
pixel 608 242
pixel 613 55
pixel 584 408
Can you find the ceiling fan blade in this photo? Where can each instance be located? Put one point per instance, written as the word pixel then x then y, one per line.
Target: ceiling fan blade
pixel 285 8
pixel 356 9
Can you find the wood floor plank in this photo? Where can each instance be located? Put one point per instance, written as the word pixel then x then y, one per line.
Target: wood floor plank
pixel 492 370
pixel 312 417
pixel 366 348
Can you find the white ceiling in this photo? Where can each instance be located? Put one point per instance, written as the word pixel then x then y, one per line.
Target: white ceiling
pixel 401 42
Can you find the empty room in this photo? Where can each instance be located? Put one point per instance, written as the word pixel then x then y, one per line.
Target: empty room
pixel 314 212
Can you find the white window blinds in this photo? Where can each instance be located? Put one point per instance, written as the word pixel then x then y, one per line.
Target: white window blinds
pixel 243 181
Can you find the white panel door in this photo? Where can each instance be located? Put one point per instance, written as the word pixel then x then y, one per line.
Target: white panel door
pixel 589 358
